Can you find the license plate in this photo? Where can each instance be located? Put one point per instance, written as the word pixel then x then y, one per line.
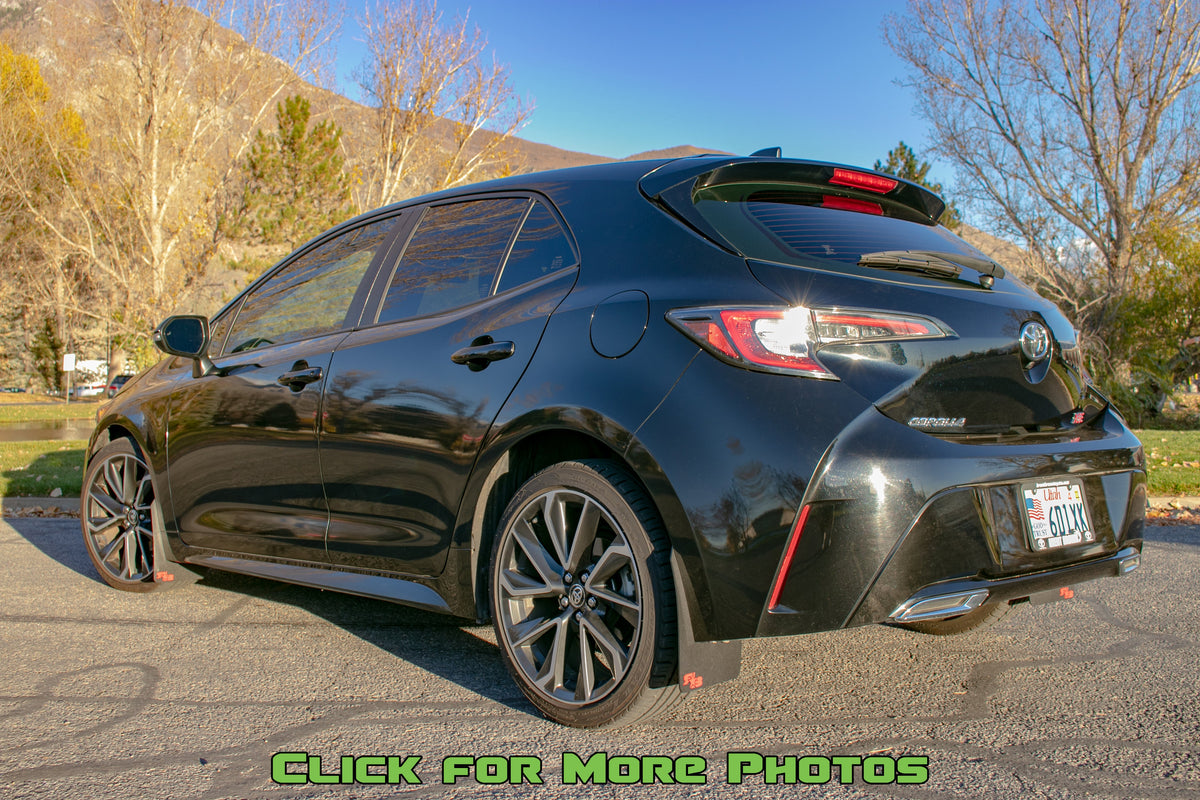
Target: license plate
pixel 1057 514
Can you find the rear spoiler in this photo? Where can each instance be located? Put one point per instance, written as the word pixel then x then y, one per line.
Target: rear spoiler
pixel 673 184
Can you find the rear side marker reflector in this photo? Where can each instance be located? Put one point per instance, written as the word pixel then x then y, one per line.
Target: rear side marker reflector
pixel 786 564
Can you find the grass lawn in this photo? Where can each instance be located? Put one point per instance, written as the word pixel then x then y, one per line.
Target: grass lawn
pixel 32 408
pixel 1173 460
pixel 38 468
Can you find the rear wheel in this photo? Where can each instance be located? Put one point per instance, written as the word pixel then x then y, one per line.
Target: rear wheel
pixel 582 597
pixel 986 615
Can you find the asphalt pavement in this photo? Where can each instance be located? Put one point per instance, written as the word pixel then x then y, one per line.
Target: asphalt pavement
pixel 199 691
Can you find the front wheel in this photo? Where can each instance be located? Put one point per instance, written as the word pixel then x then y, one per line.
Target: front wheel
pixel 118 511
pixel 582 597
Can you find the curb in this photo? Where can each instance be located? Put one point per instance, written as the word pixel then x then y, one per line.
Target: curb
pixel 64 503
pixel 1175 501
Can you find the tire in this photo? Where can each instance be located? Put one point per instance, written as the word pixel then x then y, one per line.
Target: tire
pixel 118 509
pixel 985 616
pixel 582 597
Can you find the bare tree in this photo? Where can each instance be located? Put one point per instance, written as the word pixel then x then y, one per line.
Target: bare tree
pixel 44 144
pixel 173 107
pixel 443 114
pixel 1071 123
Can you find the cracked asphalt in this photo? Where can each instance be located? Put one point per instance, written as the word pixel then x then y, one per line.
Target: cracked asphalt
pixel 188 693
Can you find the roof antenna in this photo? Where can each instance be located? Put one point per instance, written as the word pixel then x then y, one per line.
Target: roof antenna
pixel 768 152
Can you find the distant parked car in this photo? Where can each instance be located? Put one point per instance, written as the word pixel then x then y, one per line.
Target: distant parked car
pixel 117 383
pixel 634 413
pixel 13 389
pixel 92 389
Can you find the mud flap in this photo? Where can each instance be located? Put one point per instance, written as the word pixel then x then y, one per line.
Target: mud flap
pixel 167 571
pixel 701 664
pixel 1052 595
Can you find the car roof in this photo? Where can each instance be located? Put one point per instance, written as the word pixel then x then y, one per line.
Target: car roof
pixel 652 176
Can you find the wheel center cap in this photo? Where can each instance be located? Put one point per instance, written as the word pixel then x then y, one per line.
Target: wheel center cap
pixel 577 595
pixel 131 516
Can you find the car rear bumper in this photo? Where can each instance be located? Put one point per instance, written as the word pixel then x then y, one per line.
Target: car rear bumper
pixel 951 598
pixel 899 520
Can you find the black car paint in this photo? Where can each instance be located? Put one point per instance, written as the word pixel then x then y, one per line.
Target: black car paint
pixel 239 422
pixel 396 454
pixel 612 378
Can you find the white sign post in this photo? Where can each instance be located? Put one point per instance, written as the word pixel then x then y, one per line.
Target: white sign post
pixel 68 367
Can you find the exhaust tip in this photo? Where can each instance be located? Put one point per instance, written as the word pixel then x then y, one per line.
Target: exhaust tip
pixel 939 607
pixel 1128 565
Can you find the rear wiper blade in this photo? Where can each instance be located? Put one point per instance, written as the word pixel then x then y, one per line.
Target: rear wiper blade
pixel 931 262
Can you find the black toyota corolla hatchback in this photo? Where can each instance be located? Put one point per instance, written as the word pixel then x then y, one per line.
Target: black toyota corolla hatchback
pixel 633 413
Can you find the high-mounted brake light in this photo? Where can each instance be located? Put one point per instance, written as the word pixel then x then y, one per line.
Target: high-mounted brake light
pixel 863 180
pixel 785 340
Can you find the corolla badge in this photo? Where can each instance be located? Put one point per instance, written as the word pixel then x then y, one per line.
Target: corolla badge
pixel 1035 341
pixel 937 422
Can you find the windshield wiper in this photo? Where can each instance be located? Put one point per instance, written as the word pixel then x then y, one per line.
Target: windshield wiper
pixel 931 262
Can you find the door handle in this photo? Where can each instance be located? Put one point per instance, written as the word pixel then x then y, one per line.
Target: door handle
pixel 298 379
pixel 482 352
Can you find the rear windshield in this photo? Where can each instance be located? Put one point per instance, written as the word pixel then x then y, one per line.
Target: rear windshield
pixel 802 224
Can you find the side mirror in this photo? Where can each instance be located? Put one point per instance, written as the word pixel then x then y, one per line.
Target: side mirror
pixel 187 336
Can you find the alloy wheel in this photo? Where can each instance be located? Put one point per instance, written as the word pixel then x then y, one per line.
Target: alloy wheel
pixel 568 595
pixel 118 515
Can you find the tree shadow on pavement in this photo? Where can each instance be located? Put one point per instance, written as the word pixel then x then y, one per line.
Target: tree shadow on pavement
pixel 449 647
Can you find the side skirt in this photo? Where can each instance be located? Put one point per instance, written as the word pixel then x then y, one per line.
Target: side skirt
pixel 396 590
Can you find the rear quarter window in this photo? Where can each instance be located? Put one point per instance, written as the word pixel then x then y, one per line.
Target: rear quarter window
pixel 453 257
pixel 540 249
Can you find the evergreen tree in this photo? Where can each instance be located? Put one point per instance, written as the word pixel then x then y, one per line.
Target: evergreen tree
pixel 903 163
pixel 47 350
pixel 297 185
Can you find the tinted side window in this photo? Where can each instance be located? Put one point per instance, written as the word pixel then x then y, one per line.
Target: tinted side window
pixel 452 257
pixel 311 295
pixel 218 329
pixel 541 248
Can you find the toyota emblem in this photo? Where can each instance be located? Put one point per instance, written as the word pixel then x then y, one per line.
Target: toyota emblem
pixel 1035 341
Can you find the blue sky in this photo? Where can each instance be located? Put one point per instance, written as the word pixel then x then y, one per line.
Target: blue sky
pixel 621 77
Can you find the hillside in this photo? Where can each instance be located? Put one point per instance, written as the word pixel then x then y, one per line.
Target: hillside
pixel 79 65
pixel 58 34
pixel 1008 255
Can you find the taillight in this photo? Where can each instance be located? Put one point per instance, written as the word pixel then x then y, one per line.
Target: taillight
pixel 845 326
pixel 786 339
